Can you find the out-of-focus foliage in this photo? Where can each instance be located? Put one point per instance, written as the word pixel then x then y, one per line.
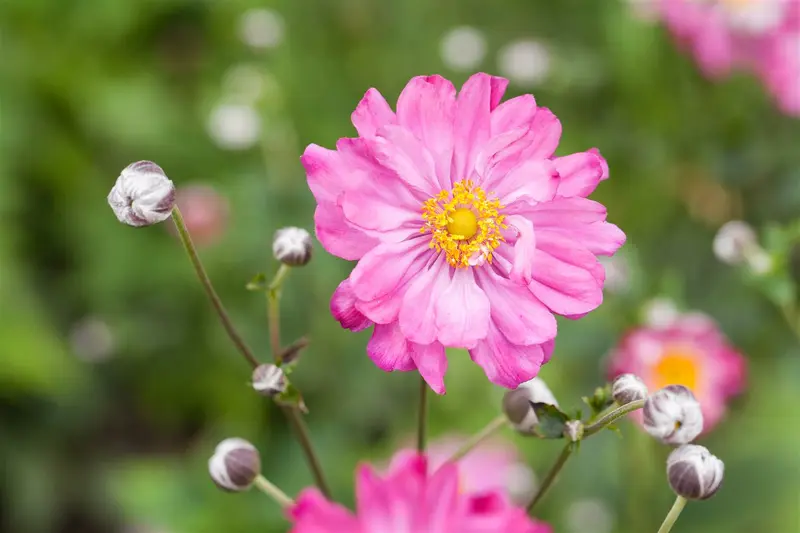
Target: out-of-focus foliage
pixel 116 379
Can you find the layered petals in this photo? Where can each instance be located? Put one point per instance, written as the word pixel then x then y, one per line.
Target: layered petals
pixel 507 364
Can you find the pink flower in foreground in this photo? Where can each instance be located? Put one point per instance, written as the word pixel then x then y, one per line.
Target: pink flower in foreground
pixel 761 35
pixel 688 351
pixel 467 231
pixel 408 500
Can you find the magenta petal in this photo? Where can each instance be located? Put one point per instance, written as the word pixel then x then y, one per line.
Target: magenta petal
pixel 431 363
pixel 565 277
pixel 580 173
pixel 472 124
pixel 328 173
pixel 532 181
pixel 383 268
pixel 441 500
pixel 462 311
pixel 344 310
pixel 418 314
pixel 337 236
pixel 372 113
pixel 524 249
pixel 546 129
pixel 566 212
pixel 399 150
pixel 389 349
pixel 312 513
pixel 513 114
pixel 517 313
pixel 504 363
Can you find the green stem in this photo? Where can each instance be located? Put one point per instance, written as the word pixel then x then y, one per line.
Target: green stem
pixel 301 431
pixel 490 429
pixel 273 311
pixel 273 492
pixel 672 516
pixel 551 475
pixel 610 418
pixel 188 245
pixel 422 421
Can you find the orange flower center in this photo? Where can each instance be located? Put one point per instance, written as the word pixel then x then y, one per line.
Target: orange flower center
pixel 677 366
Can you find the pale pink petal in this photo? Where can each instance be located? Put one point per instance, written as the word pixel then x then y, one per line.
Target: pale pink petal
pixel 501 153
pixel 532 181
pixel 714 49
pixel 516 312
pixel 312 513
pixel 498 88
pixel 431 363
pixel 547 349
pixel 565 277
pixel 389 349
pixel 372 113
pixel 418 313
pixel 524 249
pixel 504 363
pixel 563 211
pixel 462 311
pixel 546 131
pixel 328 173
pixel 399 150
pixel 343 308
pixel 472 124
pixel 513 114
pixel 442 501
pixel 337 236
pixel 427 107
pixel 580 173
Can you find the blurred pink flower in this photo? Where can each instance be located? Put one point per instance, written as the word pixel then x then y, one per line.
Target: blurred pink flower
pixel 410 499
pixel 761 35
pixel 689 351
pixel 467 231
pixel 204 211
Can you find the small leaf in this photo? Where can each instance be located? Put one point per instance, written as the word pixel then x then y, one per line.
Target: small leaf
pixel 600 400
pixel 291 397
pixel 291 354
pixel 258 283
pixel 551 421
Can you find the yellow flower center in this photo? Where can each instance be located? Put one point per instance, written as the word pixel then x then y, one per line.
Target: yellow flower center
pixel 678 366
pixel 464 224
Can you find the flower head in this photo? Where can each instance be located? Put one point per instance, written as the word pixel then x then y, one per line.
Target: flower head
pixel 143 195
pixel 691 351
pixel 628 388
pixel 694 473
pixel 672 415
pixel 292 246
pixel 468 232
pixel 412 498
pixel 234 465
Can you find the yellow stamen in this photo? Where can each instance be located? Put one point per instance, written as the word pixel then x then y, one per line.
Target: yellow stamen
pixel 677 366
pixel 463 223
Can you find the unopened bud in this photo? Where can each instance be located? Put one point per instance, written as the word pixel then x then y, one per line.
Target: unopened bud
pixel 672 415
pixel 694 473
pixel 269 380
pixel 518 404
pixel 734 242
pixel 143 195
pixel 573 430
pixel 628 388
pixel 234 465
pixel 292 246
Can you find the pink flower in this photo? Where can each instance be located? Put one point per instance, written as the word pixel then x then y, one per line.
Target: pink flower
pixel 467 231
pixel 409 500
pixel 688 351
pixel 760 35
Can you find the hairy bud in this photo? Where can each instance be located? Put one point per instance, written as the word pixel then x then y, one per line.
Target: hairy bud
pixel 694 473
pixel 234 465
pixel 672 415
pixel 292 246
pixel 143 195
pixel 628 388
pixel 518 404
pixel 269 380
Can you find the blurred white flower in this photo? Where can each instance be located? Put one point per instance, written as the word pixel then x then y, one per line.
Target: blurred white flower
pixel 463 48
pixel 91 340
pixel 524 62
pixel 734 241
pixel 659 313
pixel 589 516
pixel 261 28
pixel 245 82
pixel 521 483
pixel 644 10
pixel 234 126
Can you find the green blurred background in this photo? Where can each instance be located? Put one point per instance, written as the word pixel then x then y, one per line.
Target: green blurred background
pixel 116 380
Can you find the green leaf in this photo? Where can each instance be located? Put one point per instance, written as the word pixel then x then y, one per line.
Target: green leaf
pixel 258 283
pixel 291 397
pixel 551 421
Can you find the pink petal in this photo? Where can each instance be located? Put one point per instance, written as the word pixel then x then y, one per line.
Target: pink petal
pixel 580 173
pixel 564 277
pixel 714 49
pixel 327 172
pixel 472 124
pixel 389 349
pixel 565 212
pixel 532 181
pixel 312 513
pixel 462 311
pixel 504 363
pixel 418 314
pixel 517 314
pixel 344 310
pixel 546 130
pixel 375 504
pixel 337 236
pixel 524 249
pixel 431 364
pixel 427 108
pixel 513 114
pixel 403 153
pixel 547 349
pixel 371 114
pixel 442 501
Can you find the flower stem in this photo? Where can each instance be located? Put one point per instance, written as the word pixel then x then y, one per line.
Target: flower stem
pixel 273 311
pixel 672 516
pixel 551 475
pixel 273 492
pixel 301 431
pixel 188 245
pixel 422 421
pixel 490 429
pixel 610 418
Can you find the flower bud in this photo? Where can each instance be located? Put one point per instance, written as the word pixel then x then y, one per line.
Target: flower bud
pixel 628 388
pixel 234 465
pixel 673 415
pixel 518 404
pixel 143 195
pixel 573 430
pixel 694 473
pixel 292 246
pixel 734 241
pixel 269 380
